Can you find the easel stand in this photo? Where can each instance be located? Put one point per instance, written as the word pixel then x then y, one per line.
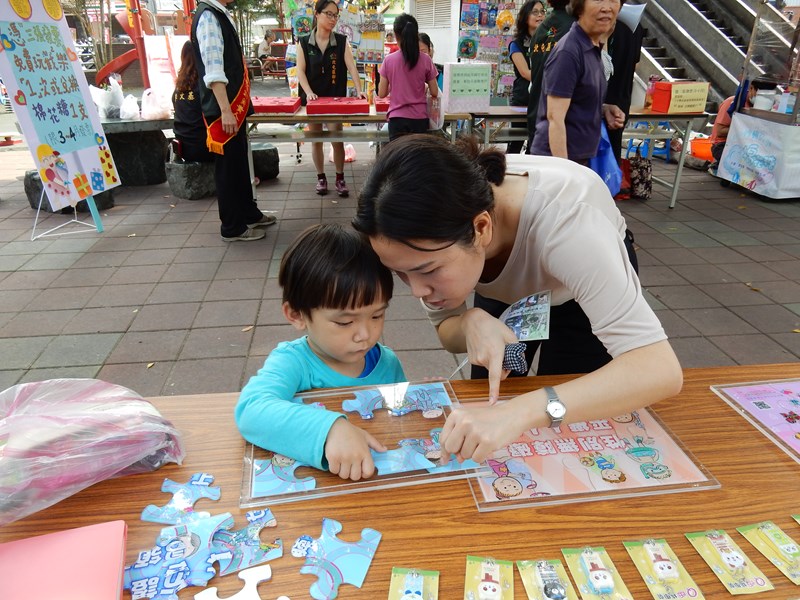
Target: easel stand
pixel 98 224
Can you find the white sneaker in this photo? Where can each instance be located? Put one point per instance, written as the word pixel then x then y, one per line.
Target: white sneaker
pixel 248 235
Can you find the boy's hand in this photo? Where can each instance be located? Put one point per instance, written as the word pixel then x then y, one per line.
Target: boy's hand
pixel 347 451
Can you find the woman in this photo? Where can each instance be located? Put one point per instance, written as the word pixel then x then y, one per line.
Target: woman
pixel 189 126
pixel 426 47
pixel 452 220
pixel 574 86
pixel 320 73
pixel 407 73
pixel 529 18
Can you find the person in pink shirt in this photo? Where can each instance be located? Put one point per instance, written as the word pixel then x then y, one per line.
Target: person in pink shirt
pixel 406 74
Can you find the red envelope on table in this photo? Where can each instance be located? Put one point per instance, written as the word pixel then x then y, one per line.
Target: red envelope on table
pixel 337 106
pixel 86 563
pixel 279 105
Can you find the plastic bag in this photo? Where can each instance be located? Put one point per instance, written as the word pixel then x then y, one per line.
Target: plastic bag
pixel 435 112
pixel 605 164
pixel 60 436
pixel 349 153
pixel 109 99
pixel 155 105
pixel 130 108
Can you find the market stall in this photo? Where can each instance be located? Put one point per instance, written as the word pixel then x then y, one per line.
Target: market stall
pixel 762 152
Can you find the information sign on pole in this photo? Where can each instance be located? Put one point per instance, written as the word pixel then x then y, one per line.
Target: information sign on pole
pixel 51 100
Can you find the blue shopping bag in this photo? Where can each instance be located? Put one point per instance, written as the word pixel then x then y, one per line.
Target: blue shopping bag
pixel 605 164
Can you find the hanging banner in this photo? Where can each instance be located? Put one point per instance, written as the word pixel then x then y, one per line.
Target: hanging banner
pixel 51 100
pixel 762 156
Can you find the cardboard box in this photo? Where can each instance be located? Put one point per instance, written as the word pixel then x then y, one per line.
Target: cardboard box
pixel 680 96
pixel 337 106
pixel 269 105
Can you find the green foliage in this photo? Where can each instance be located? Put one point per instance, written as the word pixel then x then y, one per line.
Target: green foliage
pixel 246 11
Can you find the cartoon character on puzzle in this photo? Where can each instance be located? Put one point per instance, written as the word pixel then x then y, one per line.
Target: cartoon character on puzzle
pixel 428 399
pixel 635 421
pixel 53 170
pixel 648 459
pixel 605 465
pixel 275 475
pixel 512 479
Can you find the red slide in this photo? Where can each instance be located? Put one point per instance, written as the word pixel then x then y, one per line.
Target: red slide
pixel 122 62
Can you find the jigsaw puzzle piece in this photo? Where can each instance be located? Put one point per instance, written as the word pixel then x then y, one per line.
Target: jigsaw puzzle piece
pixel 365 403
pixel 181 557
pixel 243 548
pixel 400 460
pixel 432 450
pixel 428 398
pixel 180 509
pixel 335 562
pixel 275 476
pixel 251 577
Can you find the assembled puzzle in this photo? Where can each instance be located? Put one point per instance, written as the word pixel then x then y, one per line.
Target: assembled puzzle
pixel 406 417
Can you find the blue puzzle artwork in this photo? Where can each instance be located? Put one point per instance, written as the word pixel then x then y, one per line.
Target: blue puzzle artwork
pixel 335 562
pixel 432 450
pixel 275 476
pixel 181 508
pixel 182 556
pixel 400 399
pixel 400 460
pixel 243 548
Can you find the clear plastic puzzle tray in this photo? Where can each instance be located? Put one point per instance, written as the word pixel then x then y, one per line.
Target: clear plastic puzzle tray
pixel 405 417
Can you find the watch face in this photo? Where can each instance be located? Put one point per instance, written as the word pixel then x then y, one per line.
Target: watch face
pixel 556 410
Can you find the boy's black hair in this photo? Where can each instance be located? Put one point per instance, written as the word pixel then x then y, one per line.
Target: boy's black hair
pixel 330 266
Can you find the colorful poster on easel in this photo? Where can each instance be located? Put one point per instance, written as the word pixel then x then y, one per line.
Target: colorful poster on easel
pixel 629 455
pixel 51 100
pixel 773 407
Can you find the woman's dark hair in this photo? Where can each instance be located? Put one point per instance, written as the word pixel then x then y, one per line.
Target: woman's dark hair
pixel 576 7
pixel 426 39
pixel 330 266
pixel 521 34
pixel 558 4
pixel 319 6
pixel 406 31
pixel 186 80
pixel 424 188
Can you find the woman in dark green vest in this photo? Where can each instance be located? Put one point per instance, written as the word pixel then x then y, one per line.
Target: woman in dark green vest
pixel 321 65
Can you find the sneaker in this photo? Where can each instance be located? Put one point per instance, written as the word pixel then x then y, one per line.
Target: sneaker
pixel 248 235
pixel 264 221
pixel 322 186
pixel 341 188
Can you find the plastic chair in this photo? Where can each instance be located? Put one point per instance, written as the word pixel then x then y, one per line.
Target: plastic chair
pixel 644 146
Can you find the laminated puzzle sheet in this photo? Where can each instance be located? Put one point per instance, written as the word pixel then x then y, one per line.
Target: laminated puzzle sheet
pixel 773 407
pixel 406 417
pixel 629 455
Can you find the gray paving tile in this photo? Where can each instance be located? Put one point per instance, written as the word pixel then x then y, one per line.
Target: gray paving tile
pixel 751 272
pixel 205 376
pixel 182 291
pixel 200 255
pixel 60 298
pixel 190 271
pixel 753 349
pixel 421 364
pixel 660 275
pixel 652 301
pixel 764 253
pixel 735 294
pixel 782 292
pixel 77 372
pixel 77 350
pixel 769 318
pixel 142 378
pixel 682 296
pixel 37 322
pixel 12 263
pixel 68 245
pixel 101 320
pixel 216 342
pixel 76 277
pixel 9 378
pixel 787 268
pixel 790 341
pixel 794 307
pixel 147 346
pixel 677 256
pixel 45 262
pixel 267 337
pixel 674 325
pixel 161 317
pixel 29 280
pixel 241 289
pixel 102 259
pixel 699 352
pixel 411 335
pixel 137 274
pixel 121 295
pixel 715 321
pixel 705 273
pixel 270 312
pixel 160 256
pixel 230 312
pixel 693 240
pixel 16 300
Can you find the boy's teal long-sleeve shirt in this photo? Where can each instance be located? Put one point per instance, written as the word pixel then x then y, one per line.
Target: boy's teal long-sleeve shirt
pixel 269 416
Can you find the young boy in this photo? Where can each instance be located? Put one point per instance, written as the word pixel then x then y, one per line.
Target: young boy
pixel 337 291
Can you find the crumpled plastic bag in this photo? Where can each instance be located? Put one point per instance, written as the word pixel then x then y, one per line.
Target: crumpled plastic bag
pixel 109 99
pixel 60 436
pixel 130 108
pixel 349 153
pixel 155 105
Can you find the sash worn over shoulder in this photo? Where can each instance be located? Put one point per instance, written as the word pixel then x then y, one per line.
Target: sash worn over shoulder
pixel 216 137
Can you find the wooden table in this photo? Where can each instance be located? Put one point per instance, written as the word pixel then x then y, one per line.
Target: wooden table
pixel 435 526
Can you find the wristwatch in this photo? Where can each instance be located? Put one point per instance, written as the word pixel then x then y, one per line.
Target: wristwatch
pixel 555 409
